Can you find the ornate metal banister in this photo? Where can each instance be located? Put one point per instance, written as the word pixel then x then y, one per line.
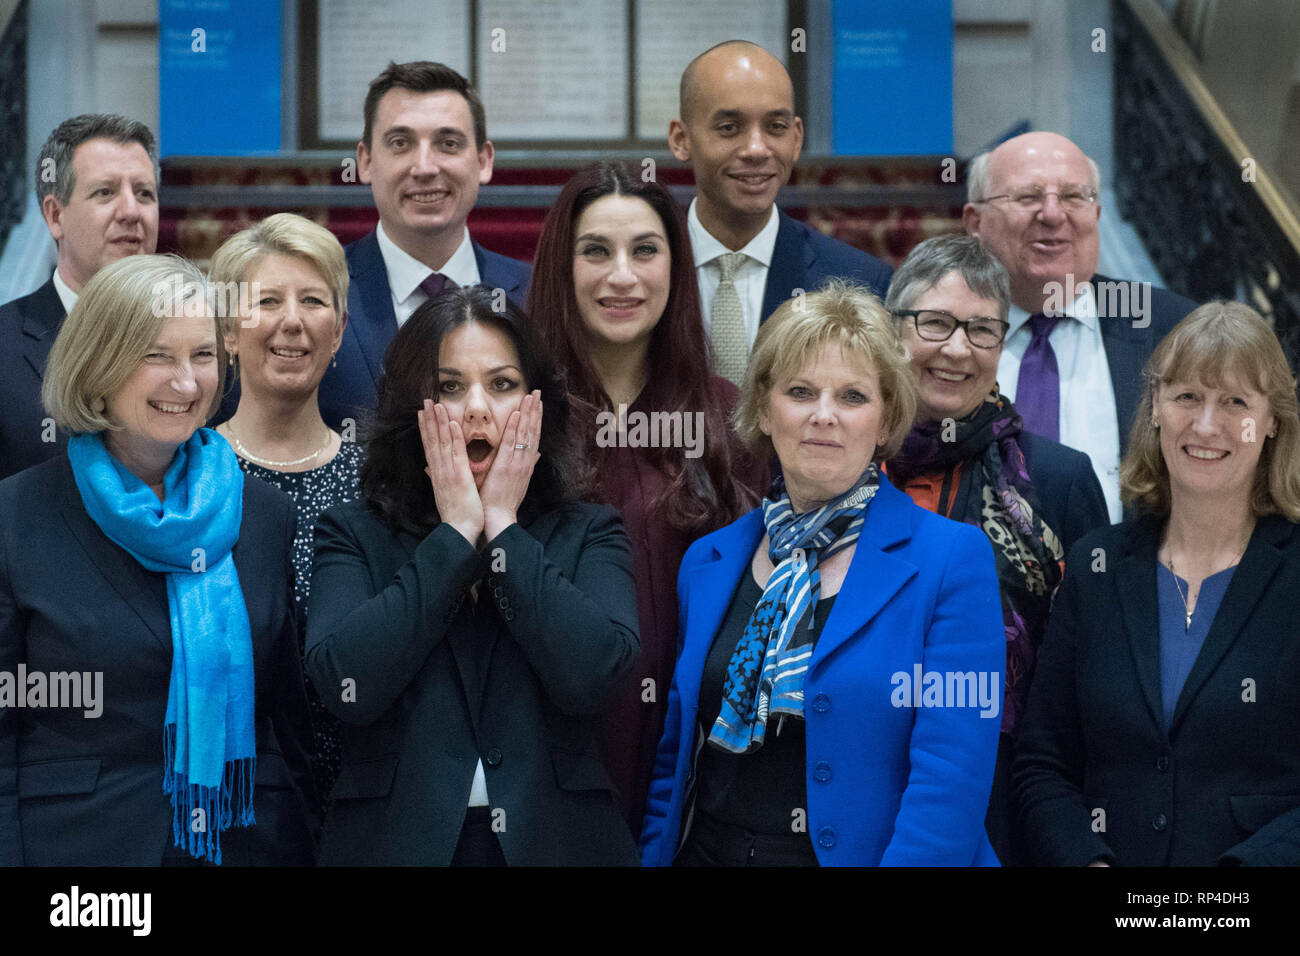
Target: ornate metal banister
pixel 1214 220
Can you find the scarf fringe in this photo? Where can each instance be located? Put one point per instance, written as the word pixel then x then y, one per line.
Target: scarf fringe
pixel 222 807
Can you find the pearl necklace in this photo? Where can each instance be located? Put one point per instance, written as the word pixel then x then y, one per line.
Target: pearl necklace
pixel 266 462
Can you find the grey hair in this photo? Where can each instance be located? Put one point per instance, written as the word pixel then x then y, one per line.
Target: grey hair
pixel 933 259
pixel 977 176
pixel 70 134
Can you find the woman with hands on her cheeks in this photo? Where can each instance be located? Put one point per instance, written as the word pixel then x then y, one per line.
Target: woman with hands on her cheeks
pixel 468 615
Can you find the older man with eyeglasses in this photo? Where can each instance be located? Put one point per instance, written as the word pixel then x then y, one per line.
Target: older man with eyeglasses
pixel 1076 340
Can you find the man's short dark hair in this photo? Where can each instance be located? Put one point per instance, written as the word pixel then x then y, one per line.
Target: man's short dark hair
pixel 70 134
pixel 424 76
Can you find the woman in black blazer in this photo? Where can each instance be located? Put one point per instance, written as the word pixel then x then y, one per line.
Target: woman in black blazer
pixel 468 617
pixel 968 458
pixel 1161 724
pixel 105 553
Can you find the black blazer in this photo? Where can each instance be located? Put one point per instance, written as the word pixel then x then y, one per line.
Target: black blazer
pixel 1098 776
pixel 1128 347
pixel 28 327
pixel 80 791
pixel 426 689
pixel 1068 490
pixel 804 258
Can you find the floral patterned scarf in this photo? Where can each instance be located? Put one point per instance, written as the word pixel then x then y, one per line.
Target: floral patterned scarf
pixel 996 495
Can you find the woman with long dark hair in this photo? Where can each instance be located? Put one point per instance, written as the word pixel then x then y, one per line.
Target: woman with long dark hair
pixel 614 295
pixel 468 616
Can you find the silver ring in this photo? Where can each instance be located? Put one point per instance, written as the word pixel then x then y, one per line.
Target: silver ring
pixel 522 447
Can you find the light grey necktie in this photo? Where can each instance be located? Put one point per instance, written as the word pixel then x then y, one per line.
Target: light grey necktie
pixel 727 321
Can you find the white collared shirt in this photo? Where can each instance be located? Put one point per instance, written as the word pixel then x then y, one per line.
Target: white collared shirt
pixel 66 295
pixel 751 277
pixel 1088 419
pixel 405 272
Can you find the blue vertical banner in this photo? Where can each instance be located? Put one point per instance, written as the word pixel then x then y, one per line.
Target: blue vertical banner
pixel 892 82
pixel 219 77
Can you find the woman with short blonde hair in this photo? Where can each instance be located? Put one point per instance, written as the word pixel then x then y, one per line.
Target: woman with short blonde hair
pixel 149 562
pixel 109 333
pixel 790 737
pixel 841 314
pixel 289 278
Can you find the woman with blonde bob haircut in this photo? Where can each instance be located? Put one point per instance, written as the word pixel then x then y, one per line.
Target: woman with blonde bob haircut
pixel 119 320
pixel 1166 691
pixel 149 562
pixel 814 616
pixel 289 277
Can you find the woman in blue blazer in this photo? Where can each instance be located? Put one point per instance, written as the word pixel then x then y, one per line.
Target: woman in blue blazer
pixel 837 697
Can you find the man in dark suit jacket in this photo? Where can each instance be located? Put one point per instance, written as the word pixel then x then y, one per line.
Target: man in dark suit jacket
pixel 424 152
pixel 100 204
pixel 738 130
pixel 1034 205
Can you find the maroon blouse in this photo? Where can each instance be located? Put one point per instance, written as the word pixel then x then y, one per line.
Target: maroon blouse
pixel 634 720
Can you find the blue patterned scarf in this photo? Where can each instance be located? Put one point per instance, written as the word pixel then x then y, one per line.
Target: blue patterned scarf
pixel 766 672
pixel 209 740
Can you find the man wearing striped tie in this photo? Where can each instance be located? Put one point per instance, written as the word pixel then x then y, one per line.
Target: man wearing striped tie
pixel 738 130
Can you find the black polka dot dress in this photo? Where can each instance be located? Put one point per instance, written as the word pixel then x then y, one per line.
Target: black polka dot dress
pixel 312 492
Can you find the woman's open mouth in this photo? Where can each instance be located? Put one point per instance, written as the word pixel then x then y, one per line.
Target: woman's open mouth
pixel 478 449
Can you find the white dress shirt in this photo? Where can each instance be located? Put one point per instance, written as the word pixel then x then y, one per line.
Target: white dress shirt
pixel 66 295
pixel 405 272
pixel 751 277
pixel 1088 418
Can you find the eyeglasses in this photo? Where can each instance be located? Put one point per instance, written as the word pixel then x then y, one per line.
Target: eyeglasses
pixel 1071 198
pixel 935 326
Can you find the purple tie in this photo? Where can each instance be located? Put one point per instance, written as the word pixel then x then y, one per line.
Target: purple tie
pixel 433 284
pixel 1038 391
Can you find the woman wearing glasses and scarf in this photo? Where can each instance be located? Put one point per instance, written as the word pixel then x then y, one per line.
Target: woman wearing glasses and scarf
pixel 967 458
pixel 813 718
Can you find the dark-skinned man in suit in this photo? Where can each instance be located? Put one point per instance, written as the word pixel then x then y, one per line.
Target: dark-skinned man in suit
pixel 738 130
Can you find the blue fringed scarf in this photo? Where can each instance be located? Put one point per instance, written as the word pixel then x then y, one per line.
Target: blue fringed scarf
pixel 766 673
pixel 209 740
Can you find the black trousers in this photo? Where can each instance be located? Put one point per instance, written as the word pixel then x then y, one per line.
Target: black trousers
pixel 478 845
pixel 713 843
